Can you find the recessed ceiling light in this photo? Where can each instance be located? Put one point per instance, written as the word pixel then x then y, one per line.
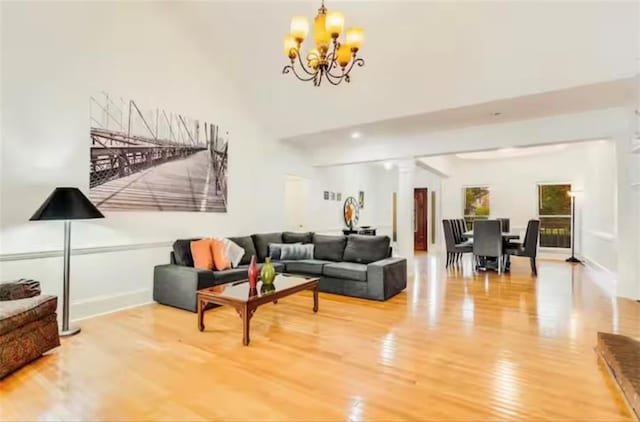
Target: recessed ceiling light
pixel 356 135
pixel 388 165
pixel 507 150
pixel 497 113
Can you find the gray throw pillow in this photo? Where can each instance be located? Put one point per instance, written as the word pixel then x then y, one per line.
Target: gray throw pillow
pixel 296 251
pixel 275 250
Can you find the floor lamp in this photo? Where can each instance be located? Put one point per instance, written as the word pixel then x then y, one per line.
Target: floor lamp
pixel 572 258
pixel 66 204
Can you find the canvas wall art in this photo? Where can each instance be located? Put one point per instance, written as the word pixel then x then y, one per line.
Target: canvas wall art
pixel 150 159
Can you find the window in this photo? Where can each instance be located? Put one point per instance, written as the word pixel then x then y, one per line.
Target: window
pixel 476 204
pixel 554 212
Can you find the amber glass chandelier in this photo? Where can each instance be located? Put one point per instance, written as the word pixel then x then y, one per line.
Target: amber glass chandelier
pixel 329 59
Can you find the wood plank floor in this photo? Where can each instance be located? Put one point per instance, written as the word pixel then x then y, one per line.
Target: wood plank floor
pixel 454 346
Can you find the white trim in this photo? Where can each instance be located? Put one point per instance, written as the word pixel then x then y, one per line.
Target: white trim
pixel 635 148
pixel 82 251
pixel 107 304
pixel 607 279
pixel 598 266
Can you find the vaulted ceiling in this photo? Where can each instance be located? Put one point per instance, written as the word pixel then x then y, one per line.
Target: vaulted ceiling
pixel 420 57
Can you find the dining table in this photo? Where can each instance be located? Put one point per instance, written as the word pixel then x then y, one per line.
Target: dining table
pixel 505 236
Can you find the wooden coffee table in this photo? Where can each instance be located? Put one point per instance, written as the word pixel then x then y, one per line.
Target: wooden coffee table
pixel 239 295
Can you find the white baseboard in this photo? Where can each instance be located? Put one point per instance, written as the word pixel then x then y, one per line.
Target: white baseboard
pixel 101 305
pixel 603 276
pixel 598 266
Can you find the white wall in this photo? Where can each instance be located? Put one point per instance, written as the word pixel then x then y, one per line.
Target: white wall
pixel 598 204
pixel 377 183
pixel 513 186
pixel 54 56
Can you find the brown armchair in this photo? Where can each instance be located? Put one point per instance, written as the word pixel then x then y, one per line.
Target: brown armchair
pixel 28 324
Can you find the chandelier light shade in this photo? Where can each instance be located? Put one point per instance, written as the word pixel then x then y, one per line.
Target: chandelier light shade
pixel 299 28
pixel 329 58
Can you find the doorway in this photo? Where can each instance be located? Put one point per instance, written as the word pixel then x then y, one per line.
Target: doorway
pixel 296 197
pixel 420 216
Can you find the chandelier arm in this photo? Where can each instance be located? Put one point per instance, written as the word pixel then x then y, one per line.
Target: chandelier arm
pixel 333 79
pixel 341 76
pixel 302 78
pixel 333 55
pixel 303 66
pixel 358 61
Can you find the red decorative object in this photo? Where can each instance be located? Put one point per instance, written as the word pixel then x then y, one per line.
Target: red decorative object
pixel 253 273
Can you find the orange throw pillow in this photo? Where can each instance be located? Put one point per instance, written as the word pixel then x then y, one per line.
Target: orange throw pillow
pixel 220 258
pixel 201 252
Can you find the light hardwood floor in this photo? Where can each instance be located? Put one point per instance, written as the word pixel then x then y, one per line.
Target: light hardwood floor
pixel 454 346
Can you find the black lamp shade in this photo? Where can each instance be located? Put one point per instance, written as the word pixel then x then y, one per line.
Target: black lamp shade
pixel 66 204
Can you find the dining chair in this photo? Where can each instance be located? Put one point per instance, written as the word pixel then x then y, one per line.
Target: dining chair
pixel 457 236
pixel 529 247
pixel 462 227
pixel 505 224
pixel 487 241
pixel 455 250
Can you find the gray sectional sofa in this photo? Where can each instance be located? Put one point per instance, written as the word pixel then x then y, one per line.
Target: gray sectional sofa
pixel 354 265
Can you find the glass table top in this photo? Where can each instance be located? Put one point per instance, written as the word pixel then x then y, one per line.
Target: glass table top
pixel 239 290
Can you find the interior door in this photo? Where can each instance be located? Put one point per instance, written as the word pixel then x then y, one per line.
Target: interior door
pixel 296 194
pixel 420 219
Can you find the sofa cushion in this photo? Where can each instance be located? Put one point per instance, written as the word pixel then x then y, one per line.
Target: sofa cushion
pixel 246 243
pixel 306 266
pixel 291 237
pixel 366 249
pixel 261 241
pixel 329 248
pixel 182 252
pixel 346 270
pixel 227 276
pixel 278 266
pixel 296 251
pixel 16 313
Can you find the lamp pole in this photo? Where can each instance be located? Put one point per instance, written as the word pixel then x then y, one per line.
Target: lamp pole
pixel 573 258
pixel 66 330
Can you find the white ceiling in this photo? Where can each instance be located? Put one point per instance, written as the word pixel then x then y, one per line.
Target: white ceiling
pixel 421 56
pixel 572 100
pixel 511 152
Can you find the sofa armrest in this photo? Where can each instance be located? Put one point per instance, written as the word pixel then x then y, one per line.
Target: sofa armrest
pixel 386 278
pixel 176 285
pixel 19 289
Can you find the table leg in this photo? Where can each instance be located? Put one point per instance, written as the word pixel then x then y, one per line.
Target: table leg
pixel 201 306
pixel 246 317
pixel 315 298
